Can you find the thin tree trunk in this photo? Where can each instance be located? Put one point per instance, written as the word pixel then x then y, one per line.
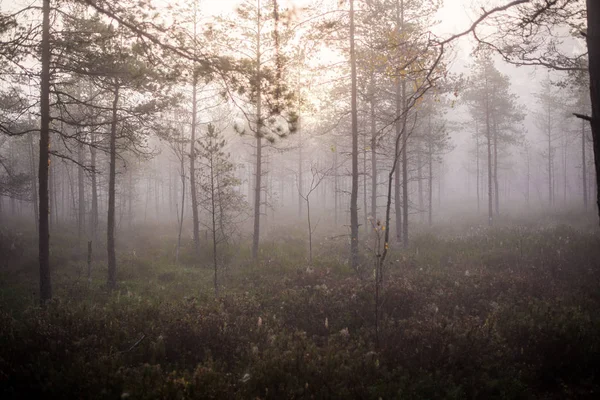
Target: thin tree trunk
pixel 401 119
pixel 214 219
pixel 373 161
pixel 496 186
pixel 335 188
pixel 44 231
pixel 110 235
pixel 300 175
pixel 489 157
pixel 420 184
pixel 364 180
pixel 430 186
pixel 565 153
pixel 34 188
pixel 81 198
pixel 52 198
pixel 550 175
pixel 309 230
pixel 528 176
pixel 354 189
pixel 195 218
pixel 72 190
pixel 404 174
pixel 257 198
pixel 397 203
pixel 584 166
pixel 182 166
pixel 94 216
pixel 130 200
pixel 477 158
pixel 258 174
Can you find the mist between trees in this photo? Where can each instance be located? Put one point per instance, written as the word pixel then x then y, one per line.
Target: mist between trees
pixel 122 83
pixel 347 127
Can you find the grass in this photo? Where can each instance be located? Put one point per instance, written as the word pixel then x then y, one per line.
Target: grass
pixel 504 313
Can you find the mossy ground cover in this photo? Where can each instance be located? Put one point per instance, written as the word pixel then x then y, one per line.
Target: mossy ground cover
pixel 505 313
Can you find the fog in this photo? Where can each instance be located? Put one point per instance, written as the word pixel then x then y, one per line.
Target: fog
pixel 299 199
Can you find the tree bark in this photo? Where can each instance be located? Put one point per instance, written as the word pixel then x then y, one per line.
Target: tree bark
pixel 373 162
pixel 213 206
pixel 496 185
pixel 354 189
pixel 489 154
pixel 195 219
pixel 550 174
pixel 180 217
pixel 44 229
pixel 364 183
pixel 110 234
pixel 584 166
pixel 81 198
pixel 593 44
pixel 257 196
pixel 94 216
pixel 52 197
pixel 300 175
pixel 565 153
pixel 34 188
pixel 420 183
pixel 477 161
pixel 258 174
pixel 404 175
pixel 335 187
pixel 397 203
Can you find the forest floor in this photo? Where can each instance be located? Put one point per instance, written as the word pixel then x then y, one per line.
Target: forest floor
pixel 511 312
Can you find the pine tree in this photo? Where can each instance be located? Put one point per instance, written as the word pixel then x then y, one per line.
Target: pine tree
pixel 217 194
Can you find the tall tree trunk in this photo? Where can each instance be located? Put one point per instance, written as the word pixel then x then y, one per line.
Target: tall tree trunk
pixel 397 202
pixel 373 162
pixel 404 174
pixel 130 199
pixel 584 167
pixel 94 216
pixel 300 175
pixel 496 186
pixel 364 180
pixel 309 230
pixel 489 159
pixel 550 175
pixel 34 186
pixel 565 153
pixel 528 176
pixel 440 182
pixel 477 167
pixel 73 207
pixel 354 189
pixel 259 122
pixel 335 187
pixel 52 197
pixel 110 226
pixel 257 197
pixel 180 216
pixel 420 184
pixel 44 231
pixel 430 186
pixel 195 219
pixel 81 198
pixel 213 207
pixel 400 110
